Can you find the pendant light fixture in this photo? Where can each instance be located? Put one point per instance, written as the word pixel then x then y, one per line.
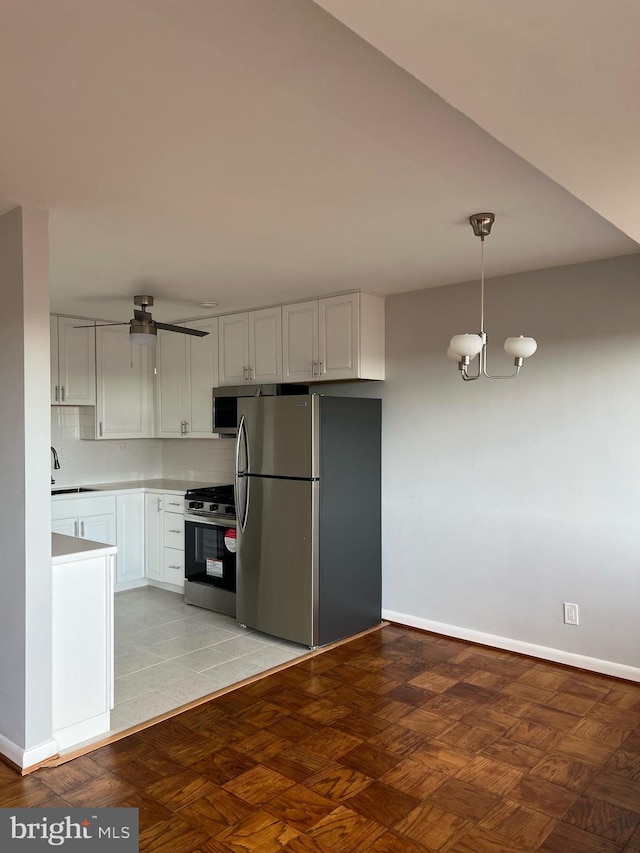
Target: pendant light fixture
pixel 463 348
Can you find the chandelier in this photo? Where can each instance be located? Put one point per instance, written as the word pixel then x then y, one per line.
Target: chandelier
pixel 463 348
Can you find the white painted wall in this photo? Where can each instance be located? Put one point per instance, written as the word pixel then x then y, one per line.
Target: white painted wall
pixel 504 499
pixel 25 564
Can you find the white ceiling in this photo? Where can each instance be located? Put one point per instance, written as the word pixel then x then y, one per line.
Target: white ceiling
pixel 259 151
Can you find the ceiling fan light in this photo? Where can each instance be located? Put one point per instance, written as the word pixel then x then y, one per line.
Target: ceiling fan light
pixel 520 347
pixel 145 336
pixel 466 345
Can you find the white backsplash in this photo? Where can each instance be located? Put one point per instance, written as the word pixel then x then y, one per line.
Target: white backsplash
pixel 83 461
pixel 205 460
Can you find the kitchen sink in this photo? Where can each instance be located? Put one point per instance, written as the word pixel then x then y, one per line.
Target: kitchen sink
pixel 70 491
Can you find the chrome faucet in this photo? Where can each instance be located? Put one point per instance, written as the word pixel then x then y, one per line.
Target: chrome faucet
pixel 56 463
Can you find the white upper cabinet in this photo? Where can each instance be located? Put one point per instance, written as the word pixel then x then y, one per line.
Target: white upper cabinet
pixel 250 348
pixel 73 362
pixel 171 384
pixel 187 371
pixel 339 337
pixel 203 376
pixel 124 387
pixel 300 341
pixel 234 349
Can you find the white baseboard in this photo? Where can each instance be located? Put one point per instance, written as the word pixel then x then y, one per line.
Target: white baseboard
pixel 27 757
pixel 605 667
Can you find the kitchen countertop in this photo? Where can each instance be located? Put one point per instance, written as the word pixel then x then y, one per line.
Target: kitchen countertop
pixel 157 485
pixel 68 549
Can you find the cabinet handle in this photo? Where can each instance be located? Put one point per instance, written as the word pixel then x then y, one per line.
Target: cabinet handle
pixel 174 531
pixel 173 504
pixel 159 507
pixel 186 427
pixel 62 389
pixel 75 529
pixel 314 365
pixel 251 374
pixel 100 429
pixel 57 394
pixel 319 368
pixel 174 567
pixel 82 529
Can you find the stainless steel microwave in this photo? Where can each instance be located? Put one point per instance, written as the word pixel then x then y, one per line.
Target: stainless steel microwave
pixel 225 402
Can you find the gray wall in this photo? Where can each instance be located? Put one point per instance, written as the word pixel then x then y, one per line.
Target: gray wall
pixel 504 499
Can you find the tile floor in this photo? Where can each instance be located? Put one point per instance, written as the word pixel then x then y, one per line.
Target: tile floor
pixel 168 653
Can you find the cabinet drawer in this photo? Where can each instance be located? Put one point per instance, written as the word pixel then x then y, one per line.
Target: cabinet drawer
pixel 173 503
pixel 173 566
pixel 64 507
pixel 173 531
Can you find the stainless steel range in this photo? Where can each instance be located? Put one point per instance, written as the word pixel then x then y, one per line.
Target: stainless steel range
pixel 210 548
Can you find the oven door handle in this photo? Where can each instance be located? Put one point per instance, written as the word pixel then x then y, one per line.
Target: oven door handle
pixel 242 511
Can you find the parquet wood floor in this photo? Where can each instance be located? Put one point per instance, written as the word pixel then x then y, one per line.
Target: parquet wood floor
pixel 397 742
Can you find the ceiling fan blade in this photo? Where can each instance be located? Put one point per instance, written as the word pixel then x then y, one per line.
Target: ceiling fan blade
pixel 170 328
pixel 98 325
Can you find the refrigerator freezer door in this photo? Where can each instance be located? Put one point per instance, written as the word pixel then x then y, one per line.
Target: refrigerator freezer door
pixel 277 560
pixel 281 436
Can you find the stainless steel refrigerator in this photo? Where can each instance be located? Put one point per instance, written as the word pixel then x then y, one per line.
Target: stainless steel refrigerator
pixel 308 506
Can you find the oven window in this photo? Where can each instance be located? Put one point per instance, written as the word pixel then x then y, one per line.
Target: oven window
pixel 210 554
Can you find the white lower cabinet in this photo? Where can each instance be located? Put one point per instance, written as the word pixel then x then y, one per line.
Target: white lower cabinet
pixel 164 534
pixel 86 518
pixel 130 539
pixel 147 528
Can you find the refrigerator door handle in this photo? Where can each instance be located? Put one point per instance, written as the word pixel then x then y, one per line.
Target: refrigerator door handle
pixel 241 475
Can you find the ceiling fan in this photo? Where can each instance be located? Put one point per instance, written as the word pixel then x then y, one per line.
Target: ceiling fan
pixel 143 329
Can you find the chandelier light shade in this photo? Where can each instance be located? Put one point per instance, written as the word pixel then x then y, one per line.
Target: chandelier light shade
pixel 464 348
pixel 466 345
pixel 520 347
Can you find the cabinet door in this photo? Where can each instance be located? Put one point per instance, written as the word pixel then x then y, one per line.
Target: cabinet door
pixel 171 384
pixel 53 339
pixel 300 341
pixel 76 362
pixel 153 537
pixel 265 345
pixel 203 377
pixel 130 538
pixel 339 342
pixel 233 362
pixel 68 526
pixel 125 391
pixel 98 528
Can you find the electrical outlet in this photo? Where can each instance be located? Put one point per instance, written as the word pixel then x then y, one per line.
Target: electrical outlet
pixel 570 614
pixel 123 447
